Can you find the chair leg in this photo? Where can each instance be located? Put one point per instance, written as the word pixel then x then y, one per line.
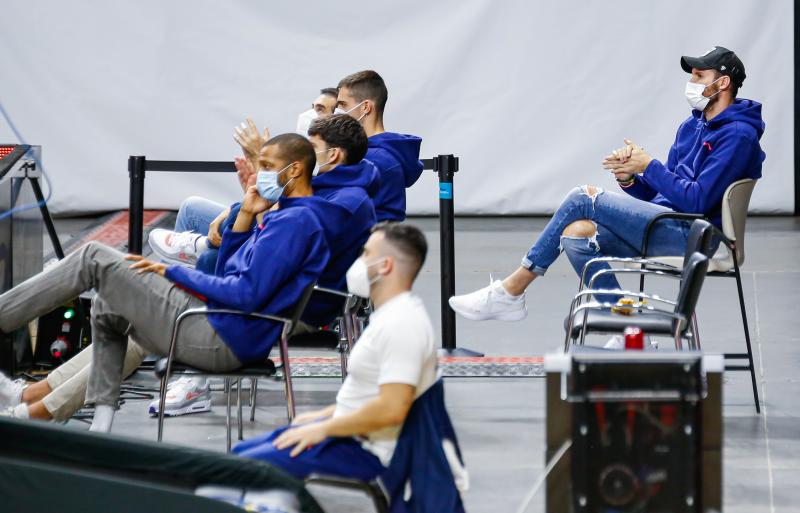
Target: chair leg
pixel 228 415
pixel 346 341
pixel 239 408
pixel 253 393
pixel 161 404
pixel 695 332
pixel 287 377
pixel 747 335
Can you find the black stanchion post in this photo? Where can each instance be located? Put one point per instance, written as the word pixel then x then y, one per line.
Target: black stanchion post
pixel 136 172
pixel 446 166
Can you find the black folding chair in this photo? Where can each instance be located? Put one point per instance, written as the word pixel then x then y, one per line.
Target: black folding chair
pixel 699 240
pixel 164 368
pixel 597 317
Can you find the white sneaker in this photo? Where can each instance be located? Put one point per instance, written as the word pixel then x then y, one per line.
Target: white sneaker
pixel 19 411
pixel 10 391
pixel 185 395
pixel 492 302
pixel 182 248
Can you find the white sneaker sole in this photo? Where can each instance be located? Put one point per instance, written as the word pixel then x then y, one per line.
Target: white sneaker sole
pixel 516 315
pixel 196 407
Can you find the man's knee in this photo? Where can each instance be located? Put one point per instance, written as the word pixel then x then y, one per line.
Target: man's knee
pixel 191 202
pixel 591 190
pixel 581 228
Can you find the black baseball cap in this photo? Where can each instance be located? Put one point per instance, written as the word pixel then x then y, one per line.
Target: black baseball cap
pixel 720 59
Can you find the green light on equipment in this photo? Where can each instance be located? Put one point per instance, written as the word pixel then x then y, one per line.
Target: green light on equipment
pixel 69 313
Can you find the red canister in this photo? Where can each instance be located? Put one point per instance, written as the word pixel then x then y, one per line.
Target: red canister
pixel 634 338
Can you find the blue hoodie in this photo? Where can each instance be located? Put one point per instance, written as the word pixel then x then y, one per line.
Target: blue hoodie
pixel 397 159
pixel 705 159
pixel 347 215
pixel 263 270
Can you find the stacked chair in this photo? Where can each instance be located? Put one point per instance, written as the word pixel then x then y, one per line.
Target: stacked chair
pixel 677 321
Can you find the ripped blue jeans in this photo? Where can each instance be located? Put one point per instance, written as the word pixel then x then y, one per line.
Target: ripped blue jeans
pixel 620 221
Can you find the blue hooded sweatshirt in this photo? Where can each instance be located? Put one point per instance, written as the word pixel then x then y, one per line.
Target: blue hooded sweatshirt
pixel 705 159
pixel 264 270
pixel 347 215
pixel 397 159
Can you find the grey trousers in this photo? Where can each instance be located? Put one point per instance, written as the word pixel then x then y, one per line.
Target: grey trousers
pixel 142 306
pixel 68 381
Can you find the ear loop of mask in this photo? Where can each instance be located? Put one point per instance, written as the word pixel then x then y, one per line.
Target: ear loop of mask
pixel 355 107
pixel 377 276
pixel 283 187
pixel 323 151
pixel 712 83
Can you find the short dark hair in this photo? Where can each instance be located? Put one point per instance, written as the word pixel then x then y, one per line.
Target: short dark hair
pixel 367 85
pixel 406 238
pixel 734 87
pixel 330 91
pixel 295 148
pixel 342 131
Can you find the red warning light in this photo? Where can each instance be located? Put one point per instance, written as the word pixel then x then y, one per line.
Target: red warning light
pixel 5 150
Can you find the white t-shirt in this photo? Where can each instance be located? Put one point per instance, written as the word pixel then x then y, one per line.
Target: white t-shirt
pixel 397 347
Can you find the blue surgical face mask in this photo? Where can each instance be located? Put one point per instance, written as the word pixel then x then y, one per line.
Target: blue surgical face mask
pixel 268 186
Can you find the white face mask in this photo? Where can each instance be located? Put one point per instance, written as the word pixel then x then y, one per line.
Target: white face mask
pixel 357 276
pixel 318 165
pixel 694 95
pixel 304 121
pixel 340 111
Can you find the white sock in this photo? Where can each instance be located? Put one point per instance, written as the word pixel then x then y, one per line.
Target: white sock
pixel 103 418
pixel 502 289
pixel 21 411
pixel 201 245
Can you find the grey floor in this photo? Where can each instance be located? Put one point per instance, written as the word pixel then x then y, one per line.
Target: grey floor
pixel 500 422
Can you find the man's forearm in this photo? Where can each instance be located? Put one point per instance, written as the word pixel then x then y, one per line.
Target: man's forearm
pixel 373 416
pixel 244 221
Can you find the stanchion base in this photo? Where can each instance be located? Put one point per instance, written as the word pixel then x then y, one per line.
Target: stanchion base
pixel 460 351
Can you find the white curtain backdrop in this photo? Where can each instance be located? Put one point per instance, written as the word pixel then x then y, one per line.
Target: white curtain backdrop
pixel 530 95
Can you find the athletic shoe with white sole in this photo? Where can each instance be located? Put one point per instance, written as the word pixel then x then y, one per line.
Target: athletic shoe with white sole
pixel 492 302
pixel 182 248
pixel 185 395
pixel 10 391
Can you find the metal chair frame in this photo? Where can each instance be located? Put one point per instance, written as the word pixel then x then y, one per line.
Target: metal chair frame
pixel 735 273
pixel 283 347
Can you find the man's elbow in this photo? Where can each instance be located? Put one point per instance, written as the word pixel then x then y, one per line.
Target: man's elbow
pixel 395 417
pixel 395 414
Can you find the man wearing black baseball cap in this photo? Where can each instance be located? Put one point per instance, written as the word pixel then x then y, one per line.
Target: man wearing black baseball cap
pixel 716 146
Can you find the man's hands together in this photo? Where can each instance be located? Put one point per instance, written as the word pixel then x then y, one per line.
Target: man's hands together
pixel 246 172
pixel 251 141
pixel 627 161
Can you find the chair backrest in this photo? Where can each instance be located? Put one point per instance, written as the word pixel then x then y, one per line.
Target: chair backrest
pixel 735 203
pixel 300 307
pixel 699 240
pixel 694 272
